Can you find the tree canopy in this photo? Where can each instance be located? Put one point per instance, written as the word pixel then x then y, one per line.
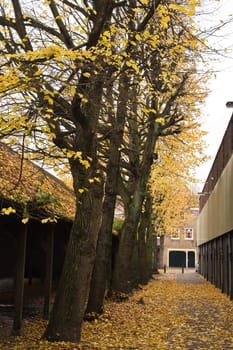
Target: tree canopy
pixel 93 86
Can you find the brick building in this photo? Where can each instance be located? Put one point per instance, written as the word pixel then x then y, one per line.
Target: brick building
pixel 179 248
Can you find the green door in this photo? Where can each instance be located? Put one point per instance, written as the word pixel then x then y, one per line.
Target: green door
pixel 177 258
pixel 191 259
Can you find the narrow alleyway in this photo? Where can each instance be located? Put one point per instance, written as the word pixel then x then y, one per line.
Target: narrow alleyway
pixel 174 311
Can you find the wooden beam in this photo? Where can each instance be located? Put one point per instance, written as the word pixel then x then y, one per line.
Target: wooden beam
pixel 231 266
pixel 19 278
pixel 48 272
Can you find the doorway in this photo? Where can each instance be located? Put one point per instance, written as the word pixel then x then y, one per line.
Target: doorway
pixel 191 259
pixel 177 258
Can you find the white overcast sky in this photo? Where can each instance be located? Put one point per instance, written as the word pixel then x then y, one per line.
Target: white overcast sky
pixel 215 115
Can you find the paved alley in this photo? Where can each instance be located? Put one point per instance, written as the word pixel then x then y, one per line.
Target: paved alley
pixel 175 311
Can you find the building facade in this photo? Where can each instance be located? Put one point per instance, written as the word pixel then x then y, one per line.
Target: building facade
pixel 215 222
pixel 179 248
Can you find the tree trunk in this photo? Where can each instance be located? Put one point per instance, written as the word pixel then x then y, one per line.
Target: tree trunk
pixel 102 266
pixel 149 252
pixel 122 272
pixel 121 280
pixel 102 269
pixel 19 278
pixel 48 271
pixel 71 300
pixel 147 249
pixel 142 248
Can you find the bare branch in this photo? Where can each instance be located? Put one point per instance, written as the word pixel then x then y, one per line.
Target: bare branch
pixel 20 25
pixel 67 38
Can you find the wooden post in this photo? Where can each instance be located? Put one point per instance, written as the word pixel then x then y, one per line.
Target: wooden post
pixel 215 262
pixel 218 284
pixel 29 257
pixel 226 268
pixel 221 265
pixel 231 265
pixel 19 279
pixel 200 267
pixel 204 261
pixel 48 272
pixel 211 262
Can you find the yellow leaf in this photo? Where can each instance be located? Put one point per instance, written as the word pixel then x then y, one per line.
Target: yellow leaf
pixel 72 90
pixel 8 211
pixel 44 221
pixel 49 99
pixel 49 219
pixel 85 163
pixel 180 8
pixel 86 74
pixel 160 120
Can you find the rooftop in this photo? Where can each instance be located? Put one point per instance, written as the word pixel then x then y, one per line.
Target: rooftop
pixel 24 184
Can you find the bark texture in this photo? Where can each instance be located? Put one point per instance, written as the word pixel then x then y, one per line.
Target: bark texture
pixel 101 277
pixel 122 281
pixel 71 300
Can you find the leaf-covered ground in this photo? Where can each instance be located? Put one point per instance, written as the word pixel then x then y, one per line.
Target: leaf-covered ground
pixel 167 314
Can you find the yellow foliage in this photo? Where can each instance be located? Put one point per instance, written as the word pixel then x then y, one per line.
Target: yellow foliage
pixel 42 83
pixel 49 219
pixel 8 211
pixel 25 220
pixel 77 155
pixel 189 10
pixel 94 179
pixel 172 175
pixel 133 65
pixel 86 74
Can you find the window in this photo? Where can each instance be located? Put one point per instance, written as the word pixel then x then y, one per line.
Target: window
pixel 175 234
pixel 194 211
pixel 188 233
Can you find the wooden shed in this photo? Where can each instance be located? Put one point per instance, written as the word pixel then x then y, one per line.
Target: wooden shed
pixel 37 210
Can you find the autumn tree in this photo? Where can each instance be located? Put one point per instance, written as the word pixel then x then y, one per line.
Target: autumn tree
pixel 117 116
pixel 57 62
pixel 138 33
pixel 161 105
pixel 173 177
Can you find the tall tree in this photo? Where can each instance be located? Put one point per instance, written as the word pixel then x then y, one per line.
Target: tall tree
pixel 58 71
pixel 136 26
pixel 172 179
pixel 55 62
pixel 163 107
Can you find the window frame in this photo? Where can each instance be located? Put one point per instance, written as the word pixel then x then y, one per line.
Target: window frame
pixel 176 238
pixel 186 229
